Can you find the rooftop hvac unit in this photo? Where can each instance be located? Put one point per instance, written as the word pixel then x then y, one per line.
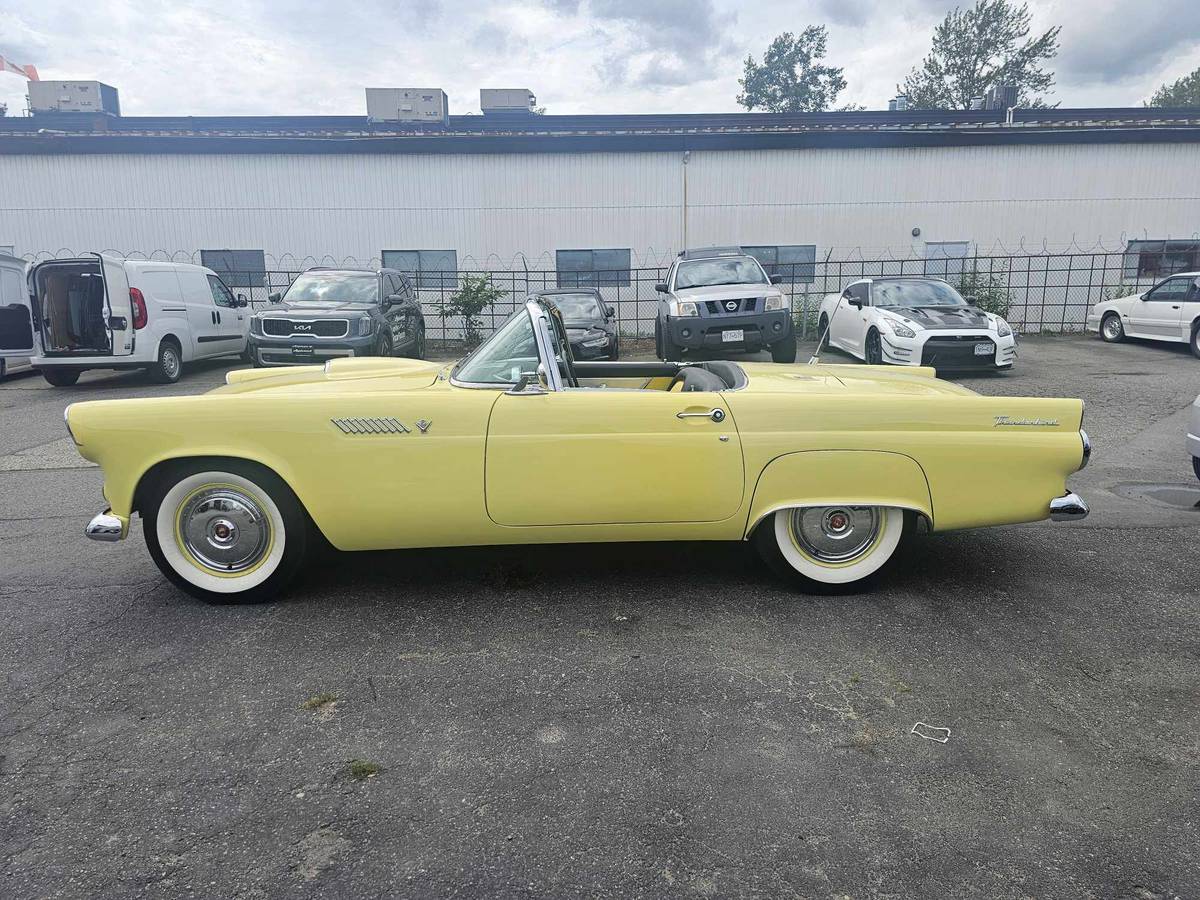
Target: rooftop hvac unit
pixel 73 96
pixel 506 100
pixel 976 103
pixel 1002 96
pixel 408 105
pixel 900 104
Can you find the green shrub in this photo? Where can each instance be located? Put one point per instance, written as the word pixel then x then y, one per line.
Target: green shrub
pixel 989 292
pixel 474 295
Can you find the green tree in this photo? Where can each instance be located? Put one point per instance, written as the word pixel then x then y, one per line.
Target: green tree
pixel 979 48
pixel 1184 92
pixel 474 295
pixel 791 77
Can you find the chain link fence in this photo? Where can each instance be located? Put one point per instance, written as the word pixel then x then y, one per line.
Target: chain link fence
pixel 1036 293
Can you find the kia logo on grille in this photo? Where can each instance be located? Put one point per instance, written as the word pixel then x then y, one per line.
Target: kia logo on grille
pixel 304 328
pixel 731 305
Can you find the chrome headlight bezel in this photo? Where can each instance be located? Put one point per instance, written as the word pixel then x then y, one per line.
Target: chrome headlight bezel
pixel 366 326
pixel 898 328
pixel 1003 329
pixel 256 326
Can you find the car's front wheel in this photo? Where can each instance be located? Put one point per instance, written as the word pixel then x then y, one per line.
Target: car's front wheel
pixel 1111 328
pixel 1196 340
pixel 784 351
pixel 1196 466
pixel 831 549
pixel 224 531
pixel 873 349
pixel 384 347
pixel 670 350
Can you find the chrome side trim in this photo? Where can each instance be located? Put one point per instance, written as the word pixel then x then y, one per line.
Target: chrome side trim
pixel 105 527
pixel 1068 508
pixel 374 426
pixel 1087 448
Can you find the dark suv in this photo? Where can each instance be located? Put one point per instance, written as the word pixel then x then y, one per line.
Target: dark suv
pixel 330 313
pixel 591 326
pixel 719 299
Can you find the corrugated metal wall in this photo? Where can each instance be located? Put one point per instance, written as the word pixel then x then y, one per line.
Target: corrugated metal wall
pixel 494 209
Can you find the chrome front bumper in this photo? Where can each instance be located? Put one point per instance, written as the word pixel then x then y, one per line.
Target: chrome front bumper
pixel 105 527
pixel 1068 508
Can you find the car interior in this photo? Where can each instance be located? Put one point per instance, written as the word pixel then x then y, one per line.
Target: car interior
pixel 71 305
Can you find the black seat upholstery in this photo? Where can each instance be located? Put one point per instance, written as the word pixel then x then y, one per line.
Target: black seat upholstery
pixel 694 378
pixel 731 373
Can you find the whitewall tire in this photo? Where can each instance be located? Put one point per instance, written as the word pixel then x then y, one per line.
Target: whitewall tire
pixel 826 549
pixel 225 531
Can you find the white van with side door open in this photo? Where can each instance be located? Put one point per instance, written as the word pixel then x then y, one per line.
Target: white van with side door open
pixel 104 312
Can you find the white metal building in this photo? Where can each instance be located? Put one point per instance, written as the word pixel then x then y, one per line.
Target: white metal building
pixel 560 192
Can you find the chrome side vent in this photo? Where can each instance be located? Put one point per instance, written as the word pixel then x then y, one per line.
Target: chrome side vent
pixel 371 426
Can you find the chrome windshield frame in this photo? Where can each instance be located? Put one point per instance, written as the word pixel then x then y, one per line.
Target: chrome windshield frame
pixel 540 322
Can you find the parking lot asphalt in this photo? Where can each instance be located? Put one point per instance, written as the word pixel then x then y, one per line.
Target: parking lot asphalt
pixel 616 720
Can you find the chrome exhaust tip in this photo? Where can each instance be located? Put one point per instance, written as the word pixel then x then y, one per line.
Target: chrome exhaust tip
pixel 1068 508
pixel 105 527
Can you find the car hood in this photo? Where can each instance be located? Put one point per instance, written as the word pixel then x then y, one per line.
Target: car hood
pixel 349 374
pixel 728 292
pixel 318 310
pixel 578 331
pixel 933 318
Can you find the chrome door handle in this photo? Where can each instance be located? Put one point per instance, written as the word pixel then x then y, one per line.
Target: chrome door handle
pixel 717 415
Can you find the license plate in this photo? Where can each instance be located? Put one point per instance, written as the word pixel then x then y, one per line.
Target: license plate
pixel 734 334
pixel 983 350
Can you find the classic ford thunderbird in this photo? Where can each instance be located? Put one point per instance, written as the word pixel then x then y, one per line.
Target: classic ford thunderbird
pixel 825 467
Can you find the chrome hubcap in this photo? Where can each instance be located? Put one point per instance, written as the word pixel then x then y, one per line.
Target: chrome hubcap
pixel 1111 327
pixel 836 534
pixel 224 529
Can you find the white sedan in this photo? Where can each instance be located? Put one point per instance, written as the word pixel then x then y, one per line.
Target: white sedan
pixel 916 322
pixel 1169 311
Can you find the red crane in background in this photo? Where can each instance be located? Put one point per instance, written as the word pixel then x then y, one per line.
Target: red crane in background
pixel 26 71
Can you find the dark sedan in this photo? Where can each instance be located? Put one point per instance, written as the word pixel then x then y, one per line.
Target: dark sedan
pixel 591 326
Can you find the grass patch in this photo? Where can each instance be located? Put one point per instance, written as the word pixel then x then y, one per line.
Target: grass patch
pixel 362 769
pixel 316 701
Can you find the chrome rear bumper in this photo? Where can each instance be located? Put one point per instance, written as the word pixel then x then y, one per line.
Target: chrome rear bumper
pixel 105 527
pixel 1068 508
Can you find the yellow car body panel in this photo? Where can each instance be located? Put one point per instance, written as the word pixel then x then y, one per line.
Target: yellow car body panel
pixel 613 464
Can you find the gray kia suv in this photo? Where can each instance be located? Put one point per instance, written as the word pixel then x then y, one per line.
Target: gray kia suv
pixel 719 299
pixel 331 313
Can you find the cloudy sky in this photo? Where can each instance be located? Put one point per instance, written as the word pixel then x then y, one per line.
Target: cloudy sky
pixel 578 56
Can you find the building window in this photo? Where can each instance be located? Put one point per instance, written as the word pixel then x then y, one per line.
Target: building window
pixel 1158 259
pixel 796 263
pixel 237 268
pixel 592 268
pixel 432 269
pixel 944 259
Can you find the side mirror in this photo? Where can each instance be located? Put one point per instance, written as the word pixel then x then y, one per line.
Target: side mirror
pixel 275 298
pixel 392 300
pixel 530 382
pixel 971 301
pixel 609 311
pixel 776 279
pixel 661 287
pixel 242 301
pixel 855 302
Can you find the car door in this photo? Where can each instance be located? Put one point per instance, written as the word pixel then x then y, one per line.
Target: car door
pixel 395 312
pixel 119 305
pixel 16 310
pixel 1159 312
pixel 612 456
pixel 846 325
pixel 233 322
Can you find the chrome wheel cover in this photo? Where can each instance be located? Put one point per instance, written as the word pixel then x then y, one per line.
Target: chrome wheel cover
pixel 836 534
pixel 224 529
pixel 1112 327
pixel 170 362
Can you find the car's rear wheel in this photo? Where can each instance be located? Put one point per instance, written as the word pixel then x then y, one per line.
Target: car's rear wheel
pixel 224 531
pixel 830 549
pixel 1111 328
pixel 60 377
pixel 168 367
pixel 1196 340
pixel 784 351
pixel 418 348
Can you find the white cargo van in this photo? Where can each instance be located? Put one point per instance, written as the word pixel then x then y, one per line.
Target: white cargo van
pixel 103 312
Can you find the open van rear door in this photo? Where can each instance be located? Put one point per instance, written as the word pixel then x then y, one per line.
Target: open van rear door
pixel 120 308
pixel 16 310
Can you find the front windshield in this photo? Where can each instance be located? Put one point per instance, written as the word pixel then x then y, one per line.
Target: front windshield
pixel 709 272
pixel 578 309
pixel 915 293
pixel 334 287
pixel 504 356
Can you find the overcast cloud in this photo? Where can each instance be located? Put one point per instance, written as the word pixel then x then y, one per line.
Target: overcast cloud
pixel 578 56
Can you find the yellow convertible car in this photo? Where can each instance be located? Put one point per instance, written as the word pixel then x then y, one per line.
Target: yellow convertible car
pixel 825 467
